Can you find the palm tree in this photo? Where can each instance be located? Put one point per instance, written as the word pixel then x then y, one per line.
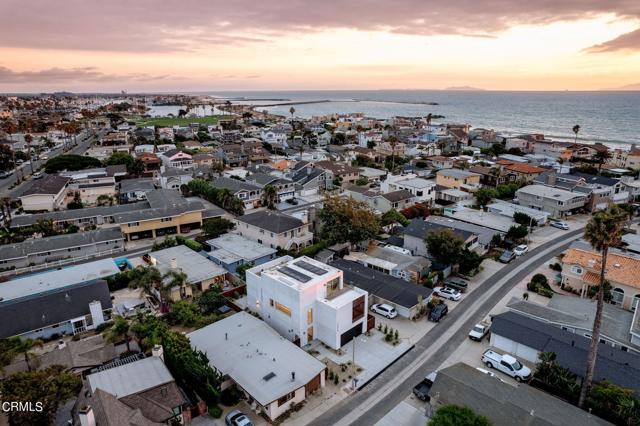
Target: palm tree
pixel 10 128
pixel 174 278
pixel 602 232
pixel 429 118
pixel 601 157
pixel 292 111
pixel 25 346
pixel 148 280
pixel 576 130
pixel 269 196
pixel 28 139
pixel 393 142
pixel 119 331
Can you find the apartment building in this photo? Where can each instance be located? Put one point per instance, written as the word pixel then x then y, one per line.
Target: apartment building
pixel 557 202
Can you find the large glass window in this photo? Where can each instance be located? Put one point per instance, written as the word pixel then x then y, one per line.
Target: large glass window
pixel 617 296
pixel 332 287
pixel 285 310
pixel 310 316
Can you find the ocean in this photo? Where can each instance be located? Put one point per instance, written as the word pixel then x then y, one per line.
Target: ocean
pixel 612 118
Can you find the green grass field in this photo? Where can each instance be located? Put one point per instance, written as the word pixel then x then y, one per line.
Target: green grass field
pixel 175 121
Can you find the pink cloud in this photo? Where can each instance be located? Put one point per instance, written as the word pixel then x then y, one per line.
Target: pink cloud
pixel 187 25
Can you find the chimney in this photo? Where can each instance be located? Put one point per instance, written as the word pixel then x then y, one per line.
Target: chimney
pixel 591 263
pixel 86 416
pixel 173 264
pixel 158 351
pixel 293 376
pixel 62 344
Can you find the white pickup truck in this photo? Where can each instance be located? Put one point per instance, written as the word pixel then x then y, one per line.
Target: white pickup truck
pixel 478 331
pixel 506 364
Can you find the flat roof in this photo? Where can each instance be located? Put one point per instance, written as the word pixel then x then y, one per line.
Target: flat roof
pixel 56 279
pixel 508 209
pixel 255 356
pixel 549 192
pixel 197 267
pixel 131 378
pixel 233 247
pixel 298 274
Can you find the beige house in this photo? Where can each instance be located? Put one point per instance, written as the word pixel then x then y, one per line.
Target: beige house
pixel 458 179
pixel 346 174
pixel 581 270
pixel 202 273
pixel 275 229
pixel 46 194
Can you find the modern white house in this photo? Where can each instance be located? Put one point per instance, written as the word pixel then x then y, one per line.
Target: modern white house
pixel 304 299
pixel 274 137
pixel 46 194
pixel 422 189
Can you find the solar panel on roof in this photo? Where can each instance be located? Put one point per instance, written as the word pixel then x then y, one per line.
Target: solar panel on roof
pixel 295 274
pixel 309 267
pixel 269 376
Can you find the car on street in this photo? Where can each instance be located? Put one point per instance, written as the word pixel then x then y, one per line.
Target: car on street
pixel 521 249
pixel 421 390
pixel 37 175
pixel 478 331
pixel 438 312
pixel 507 365
pixel 457 283
pixel 5 174
pixel 237 418
pixel 384 310
pixel 44 157
pixel 560 225
pixel 448 293
pixel 507 256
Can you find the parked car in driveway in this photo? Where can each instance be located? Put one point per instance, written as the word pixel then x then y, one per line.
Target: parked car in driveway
pixel 521 249
pixel 478 331
pixel 37 175
pixel 507 256
pixel 448 293
pixel 421 390
pixel 560 225
pixel 384 310
pixel 237 418
pixel 457 283
pixel 438 312
pixel 506 364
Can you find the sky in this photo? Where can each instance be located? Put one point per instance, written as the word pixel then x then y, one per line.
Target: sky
pixel 213 45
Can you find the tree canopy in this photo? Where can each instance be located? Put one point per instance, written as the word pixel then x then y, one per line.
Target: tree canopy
pixel 455 415
pixel 345 219
pixel 134 166
pixel 445 246
pixel 70 162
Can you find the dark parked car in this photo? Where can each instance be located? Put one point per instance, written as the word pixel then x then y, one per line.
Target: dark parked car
pixel 421 390
pixel 457 283
pixel 438 312
pixel 507 256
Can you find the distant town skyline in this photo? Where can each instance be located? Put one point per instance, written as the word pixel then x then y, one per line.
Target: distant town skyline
pixel 198 45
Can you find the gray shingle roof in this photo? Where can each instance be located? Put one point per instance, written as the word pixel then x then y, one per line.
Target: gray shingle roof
pixel 621 368
pixel 394 290
pixel 31 313
pixel 234 185
pixel 419 228
pixel 59 242
pixel 272 221
pixel 399 195
pixel 503 403
pixel 50 184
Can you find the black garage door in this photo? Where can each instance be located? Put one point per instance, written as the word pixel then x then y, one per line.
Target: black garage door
pixel 350 334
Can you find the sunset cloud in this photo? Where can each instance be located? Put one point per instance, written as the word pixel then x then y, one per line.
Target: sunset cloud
pixel 626 42
pixel 69 75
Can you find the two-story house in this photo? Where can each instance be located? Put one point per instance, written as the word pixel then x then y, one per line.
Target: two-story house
pixel 274 229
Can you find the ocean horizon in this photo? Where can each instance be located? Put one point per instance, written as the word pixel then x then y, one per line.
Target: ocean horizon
pixel 610 117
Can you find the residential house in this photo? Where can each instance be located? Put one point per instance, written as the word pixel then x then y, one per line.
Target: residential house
pixel 249 193
pixel 502 403
pixel 581 270
pixel 423 190
pixel 417 230
pixel 134 190
pixel 494 176
pixel 274 229
pixel 304 299
pixel 285 188
pixel 275 136
pixel 485 235
pixel 507 210
pixel 308 180
pixel 91 184
pixel 141 392
pixel 48 193
pixel 439 162
pixel 527 338
pixel 81 245
pixel 381 202
pixel 557 202
pixel 599 190
pixel 176 158
pixel 524 173
pixel 276 375
pixel 393 261
pixel 174 178
pixel 629 159
pixel 342 174
pixel 233 250
pixel 62 301
pixel 620 328
pixel 205 159
pixel 408 299
pixel 373 175
pixel 458 179
pixel 151 163
pixel 202 273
